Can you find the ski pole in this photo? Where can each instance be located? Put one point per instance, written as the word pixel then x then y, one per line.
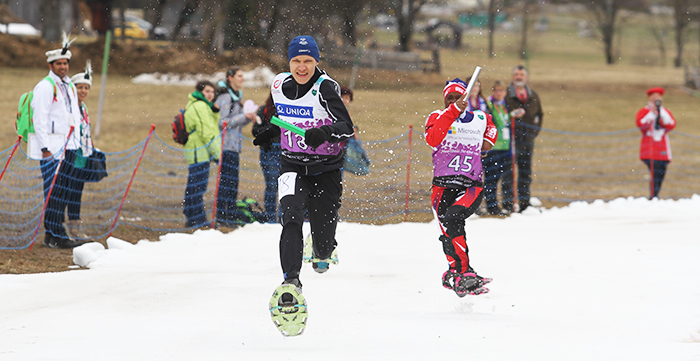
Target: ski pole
pixel 288 126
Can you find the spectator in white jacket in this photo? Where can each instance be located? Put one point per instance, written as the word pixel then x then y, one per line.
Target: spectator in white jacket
pixel 55 110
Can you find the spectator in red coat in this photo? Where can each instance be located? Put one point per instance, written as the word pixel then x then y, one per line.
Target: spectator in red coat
pixel 655 121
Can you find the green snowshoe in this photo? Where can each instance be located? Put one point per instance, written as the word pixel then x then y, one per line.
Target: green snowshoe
pixel 288 309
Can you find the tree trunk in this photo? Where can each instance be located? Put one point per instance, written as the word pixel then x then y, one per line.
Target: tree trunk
pixel 406 12
pixel 209 8
pixel 76 16
pixel 681 18
pixel 154 12
pixel 187 10
pixel 608 41
pixel 122 11
pixel 606 18
pixel 492 25
pixel 350 25
pixel 51 26
pixel 212 29
pixel 678 61
pixel 525 24
pixel 101 15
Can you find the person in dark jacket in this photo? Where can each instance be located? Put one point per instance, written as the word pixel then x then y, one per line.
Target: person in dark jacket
pixel 269 160
pixel 310 177
pixel 526 110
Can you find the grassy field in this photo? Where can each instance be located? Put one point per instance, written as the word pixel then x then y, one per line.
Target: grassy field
pixel 580 93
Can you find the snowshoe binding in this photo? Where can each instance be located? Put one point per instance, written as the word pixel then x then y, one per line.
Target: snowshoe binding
pixel 468 284
pixel 484 280
pixel 448 279
pixel 319 265
pixel 288 308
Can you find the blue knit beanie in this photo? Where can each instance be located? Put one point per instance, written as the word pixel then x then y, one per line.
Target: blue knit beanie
pixel 303 45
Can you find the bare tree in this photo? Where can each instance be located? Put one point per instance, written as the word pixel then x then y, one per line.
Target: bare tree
pixel 681 19
pixel 122 18
pixel 188 9
pixel 493 7
pixel 213 17
pixel 528 6
pixel 271 15
pixel 605 14
pixel 51 26
pixel 349 12
pixel 406 11
pixel 154 12
pixel 659 28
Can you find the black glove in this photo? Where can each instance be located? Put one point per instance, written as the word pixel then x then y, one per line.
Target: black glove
pixel 316 136
pixel 265 137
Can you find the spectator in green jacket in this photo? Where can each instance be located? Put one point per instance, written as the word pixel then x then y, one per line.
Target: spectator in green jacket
pixel 498 161
pixel 203 146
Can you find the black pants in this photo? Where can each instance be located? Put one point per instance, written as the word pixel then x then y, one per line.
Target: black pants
pixel 197 181
pixel 75 191
pixel 228 186
pixel 320 195
pixel 452 207
pixel 523 158
pixel 498 165
pixel 658 176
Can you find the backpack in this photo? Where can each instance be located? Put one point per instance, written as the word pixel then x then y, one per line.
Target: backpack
pixel 248 210
pixel 25 120
pixel 180 134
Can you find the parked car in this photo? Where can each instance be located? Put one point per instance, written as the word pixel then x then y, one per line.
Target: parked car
pixel 159 32
pixel 131 30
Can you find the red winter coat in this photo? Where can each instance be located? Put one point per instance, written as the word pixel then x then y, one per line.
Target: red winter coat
pixel 655 143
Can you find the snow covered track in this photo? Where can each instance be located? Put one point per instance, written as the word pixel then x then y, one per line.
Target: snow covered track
pixel 600 281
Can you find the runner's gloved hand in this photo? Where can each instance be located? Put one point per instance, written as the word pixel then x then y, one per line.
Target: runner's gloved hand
pixel 316 136
pixel 265 137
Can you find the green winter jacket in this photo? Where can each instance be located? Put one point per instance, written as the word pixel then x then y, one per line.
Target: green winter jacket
pixel 501 119
pixel 204 142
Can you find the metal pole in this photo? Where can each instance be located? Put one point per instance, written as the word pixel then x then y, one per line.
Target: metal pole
pixel 218 178
pixel 408 172
pixel 103 84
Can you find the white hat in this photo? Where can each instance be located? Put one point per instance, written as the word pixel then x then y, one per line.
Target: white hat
pixel 84 77
pixel 63 53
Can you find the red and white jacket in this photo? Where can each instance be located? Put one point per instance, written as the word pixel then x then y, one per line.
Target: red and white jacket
pixel 655 144
pixel 457 139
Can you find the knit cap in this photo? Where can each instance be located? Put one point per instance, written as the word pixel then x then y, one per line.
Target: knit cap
pixel 303 45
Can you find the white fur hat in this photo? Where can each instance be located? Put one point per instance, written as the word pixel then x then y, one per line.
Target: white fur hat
pixel 84 77
pixel 63 53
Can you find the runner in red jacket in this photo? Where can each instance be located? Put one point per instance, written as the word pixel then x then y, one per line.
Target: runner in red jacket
pixel 458 138
pixel 655 121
